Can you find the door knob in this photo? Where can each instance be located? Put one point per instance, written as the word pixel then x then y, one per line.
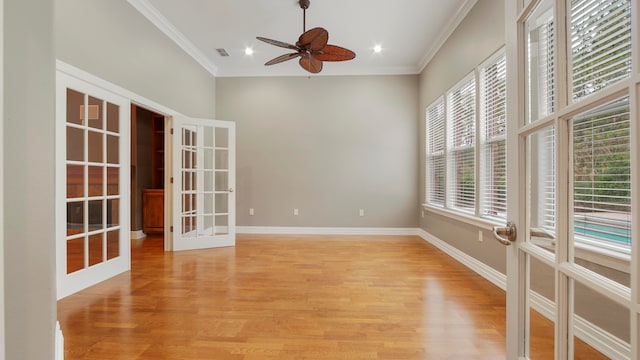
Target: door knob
pixel 509 231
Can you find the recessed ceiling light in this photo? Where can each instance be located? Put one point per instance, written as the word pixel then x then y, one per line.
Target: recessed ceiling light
pixel 248 51
pixel 377 48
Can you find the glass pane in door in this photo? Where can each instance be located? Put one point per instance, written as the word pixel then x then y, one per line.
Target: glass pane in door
pixel 205 171
pixel 93 169
pixel 602 190
pixel 594 310
pixel 541 303
pixel 203 150
pixel 540 62
pixel 600 44
pixel 541 170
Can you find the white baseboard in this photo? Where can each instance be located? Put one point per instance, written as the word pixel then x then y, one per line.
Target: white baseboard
pixel 59 343
pixel 494 276
pixel 601 340
pixel 324 231
pixel 137 234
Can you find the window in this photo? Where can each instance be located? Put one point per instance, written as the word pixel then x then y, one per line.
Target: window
pixel 466 145
pixel 493 107
pixel 462 141
pixel 435 153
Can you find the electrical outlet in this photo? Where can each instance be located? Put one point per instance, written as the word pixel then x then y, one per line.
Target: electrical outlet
pixel 251 212
pixel 361 212
pixel 295 212
pixel 480 239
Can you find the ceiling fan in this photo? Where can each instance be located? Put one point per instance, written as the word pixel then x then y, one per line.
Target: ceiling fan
pixel 311 47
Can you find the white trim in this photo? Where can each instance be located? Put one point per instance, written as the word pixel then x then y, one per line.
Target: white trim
pixel 137 235
pixel 448 29
pixel 80 74
pixel 494 276
pixel 601 340
pixel 2 285
pixel 156 18
pixel 59 343
pixel 324 231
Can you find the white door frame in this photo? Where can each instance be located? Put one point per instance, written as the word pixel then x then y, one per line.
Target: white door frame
pixel 70 283
pixel 564 268
pixel 2 326
pixel 200 237
pixel 136 99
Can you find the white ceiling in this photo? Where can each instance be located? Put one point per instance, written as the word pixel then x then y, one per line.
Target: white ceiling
pixel 409 31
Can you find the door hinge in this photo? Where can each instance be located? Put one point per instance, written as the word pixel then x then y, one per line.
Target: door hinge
pixel 170 228
pixel 171 131
pixel 172 179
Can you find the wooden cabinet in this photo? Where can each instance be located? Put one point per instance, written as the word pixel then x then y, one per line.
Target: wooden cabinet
pixel 157 151
pixel 153 211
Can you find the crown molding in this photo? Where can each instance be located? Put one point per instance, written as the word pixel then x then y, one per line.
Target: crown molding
pixel 451 26
pixel 152 14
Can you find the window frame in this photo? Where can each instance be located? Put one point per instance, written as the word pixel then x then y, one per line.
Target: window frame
pixel 441 154
pixel 473 217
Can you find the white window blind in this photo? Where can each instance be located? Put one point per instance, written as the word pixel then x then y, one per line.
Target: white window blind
pixel 462 129
pixel 600 44
pixel 435 153
pixel 493 146
pixel 541 65
pixel 602 174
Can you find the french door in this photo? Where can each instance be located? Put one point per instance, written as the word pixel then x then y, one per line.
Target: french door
pixel 573 165
pixel 203 202
pixel 92 179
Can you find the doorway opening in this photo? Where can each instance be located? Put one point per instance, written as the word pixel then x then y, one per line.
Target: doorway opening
pixel 147 177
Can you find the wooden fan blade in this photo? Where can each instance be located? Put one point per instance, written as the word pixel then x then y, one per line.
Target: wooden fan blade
pixel 334 53
pixel 314 39
pixel 282 58
pixel 310 63
pixel 278 43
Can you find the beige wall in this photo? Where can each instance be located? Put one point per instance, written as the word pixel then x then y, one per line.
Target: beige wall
pixel 328 146
pixel 29 111
pixel 479 35
pixel 112 40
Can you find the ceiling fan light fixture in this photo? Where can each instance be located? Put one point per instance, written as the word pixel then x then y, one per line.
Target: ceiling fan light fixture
pixel 248 51
pixel 312 47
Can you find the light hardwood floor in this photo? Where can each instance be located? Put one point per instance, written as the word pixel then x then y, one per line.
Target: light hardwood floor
pixel 295 297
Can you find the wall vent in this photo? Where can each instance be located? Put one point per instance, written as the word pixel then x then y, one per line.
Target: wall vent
pixel 222 52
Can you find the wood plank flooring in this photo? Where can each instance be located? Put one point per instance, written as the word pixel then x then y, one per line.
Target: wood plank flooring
pixel 295 297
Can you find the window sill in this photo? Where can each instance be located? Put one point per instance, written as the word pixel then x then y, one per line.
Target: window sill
pixel 486 224
pixel 611 258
